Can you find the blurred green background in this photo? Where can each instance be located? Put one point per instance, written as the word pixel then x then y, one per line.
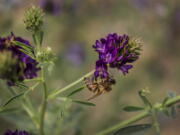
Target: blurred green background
pixel 71 28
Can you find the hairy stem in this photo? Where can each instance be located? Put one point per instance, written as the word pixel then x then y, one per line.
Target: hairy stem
pixel 57 92
pixel 155 121
pixel 44 105
pixel 138 117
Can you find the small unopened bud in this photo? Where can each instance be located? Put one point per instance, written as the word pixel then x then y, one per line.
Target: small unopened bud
pixel 135 46
pixel 34 19
pixel 45 55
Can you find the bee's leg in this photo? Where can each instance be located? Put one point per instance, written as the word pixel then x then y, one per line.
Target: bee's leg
pixel 94 96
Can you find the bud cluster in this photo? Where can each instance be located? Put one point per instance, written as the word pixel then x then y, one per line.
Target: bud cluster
pixel 34 19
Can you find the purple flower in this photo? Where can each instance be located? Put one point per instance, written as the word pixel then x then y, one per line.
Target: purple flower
pixel 16 132
pixel 115 51
pixel 51 6
pixel 101 69
pixel 25 67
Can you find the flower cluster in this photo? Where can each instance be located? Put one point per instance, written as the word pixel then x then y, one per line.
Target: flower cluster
pixel 17 65
pixel 16 132
pixel 115 51
pixel 34 19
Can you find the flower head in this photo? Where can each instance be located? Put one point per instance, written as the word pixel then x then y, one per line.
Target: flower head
pixel 15 64
pixel 115 51
pixel 34 19
pixel 16 132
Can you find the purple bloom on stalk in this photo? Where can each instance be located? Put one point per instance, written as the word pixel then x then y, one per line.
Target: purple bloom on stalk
pixel 51 6
pixel 115 51
pixel 16 132
pixel 22 67
pixel 101 69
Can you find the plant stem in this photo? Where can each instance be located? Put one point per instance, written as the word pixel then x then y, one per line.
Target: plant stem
pixel 57 92
pixel 155 121
pixel 44 106
pixel 138 117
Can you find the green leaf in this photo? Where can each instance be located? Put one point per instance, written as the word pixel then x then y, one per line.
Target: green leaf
pixel 75 91
pixel 164 101
pixel 29 50
pixel 133 108
pixel 133 130
pixel 178 106
pixel 24 46
pixel 144 99
pixel 28 53
pixel 34 79
pixel 38 37
pixel 8 110
pixel 84 103
pixel 12 98
pixel 41 34
pixel 22 85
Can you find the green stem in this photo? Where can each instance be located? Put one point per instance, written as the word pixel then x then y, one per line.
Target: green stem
pixel 44 106
pixel 57 92
pixel 138 117
pixel 43 110
pixel 125 123
pixel 155 121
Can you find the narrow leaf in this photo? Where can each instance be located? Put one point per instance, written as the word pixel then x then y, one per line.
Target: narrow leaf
pixel 34 79
pixel 13 98
pixel 28 53
pixel 132 130
pixel 164 101
pixel 84 103
pixel 29 50
pixel 22 85
pixel 34 39
pixel 133 108
pixel 41 34
pixel 8 110
pixel 144 99
pixel 76 91
pixel 38 37
pixel 24 46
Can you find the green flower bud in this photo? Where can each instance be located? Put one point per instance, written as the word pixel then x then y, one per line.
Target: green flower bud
pixel 45 55
pixel 34 19
pixel 135 46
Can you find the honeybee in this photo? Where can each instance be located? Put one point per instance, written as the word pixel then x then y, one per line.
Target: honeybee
pixel 99 86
